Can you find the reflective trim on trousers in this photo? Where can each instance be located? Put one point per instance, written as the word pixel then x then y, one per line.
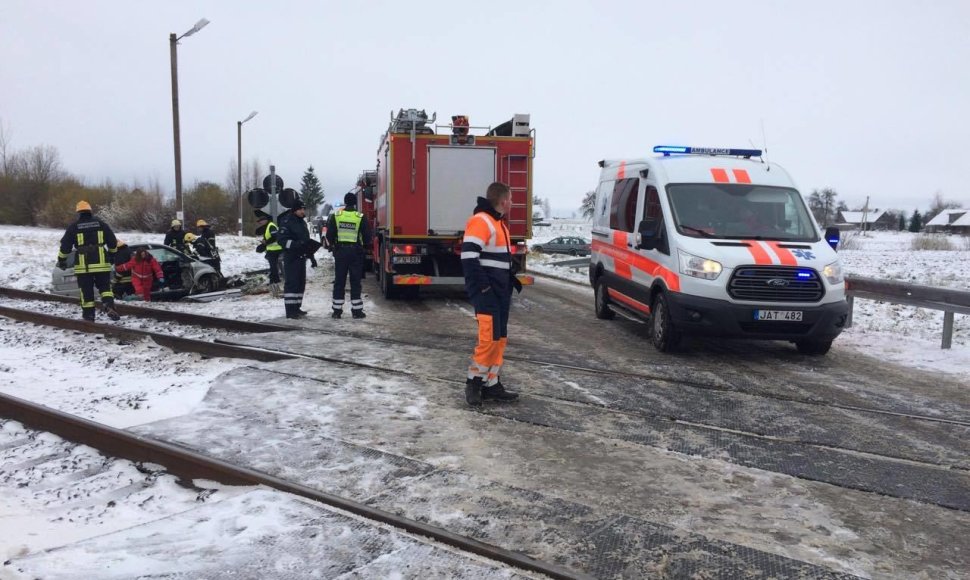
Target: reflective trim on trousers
pixel 356 304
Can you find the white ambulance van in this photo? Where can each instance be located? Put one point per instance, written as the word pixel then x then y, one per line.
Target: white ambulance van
pixel 714 242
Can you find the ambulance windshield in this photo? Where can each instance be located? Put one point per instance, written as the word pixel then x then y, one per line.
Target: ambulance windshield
pixel 740 211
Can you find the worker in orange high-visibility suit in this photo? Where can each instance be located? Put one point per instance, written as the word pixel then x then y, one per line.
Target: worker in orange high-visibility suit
pixel 486 260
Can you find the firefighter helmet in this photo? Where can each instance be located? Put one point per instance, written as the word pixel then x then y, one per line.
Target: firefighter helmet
pixel 82 206
pixel 201 223
pixel 176 223
pixel 190 237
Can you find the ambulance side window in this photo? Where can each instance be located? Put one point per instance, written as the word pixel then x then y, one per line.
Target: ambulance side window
pixel 602 210
pixel 623 208
pixel 653 212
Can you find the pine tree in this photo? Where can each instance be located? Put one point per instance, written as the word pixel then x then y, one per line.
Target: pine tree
pixel 311 191
pixel 915 222
pixel 902 221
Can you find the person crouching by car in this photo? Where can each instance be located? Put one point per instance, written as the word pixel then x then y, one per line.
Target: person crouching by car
pixel 144 269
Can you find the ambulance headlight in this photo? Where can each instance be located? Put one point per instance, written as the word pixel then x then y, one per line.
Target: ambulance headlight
pixel 833 273
pixel 698 267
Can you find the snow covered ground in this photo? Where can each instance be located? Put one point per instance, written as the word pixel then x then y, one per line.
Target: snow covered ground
pixel 125 384
pixel 895 332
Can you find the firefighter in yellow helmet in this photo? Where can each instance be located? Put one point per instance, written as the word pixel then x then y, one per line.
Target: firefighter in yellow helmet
pixel 95 245
pixel 205 245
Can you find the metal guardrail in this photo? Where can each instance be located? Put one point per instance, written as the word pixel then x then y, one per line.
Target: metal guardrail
pixel 574 264
pixel 948 300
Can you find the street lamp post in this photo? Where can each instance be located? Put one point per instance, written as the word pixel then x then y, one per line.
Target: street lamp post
pixel 173 43
pixel 239 125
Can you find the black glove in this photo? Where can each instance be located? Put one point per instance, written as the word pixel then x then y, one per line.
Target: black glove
pixel 260 248
pixel 313 261
pixel 516 284
pixel 62 263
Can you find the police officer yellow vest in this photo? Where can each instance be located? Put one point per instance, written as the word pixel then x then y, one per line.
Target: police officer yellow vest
pixel 348 226
pixel 267 234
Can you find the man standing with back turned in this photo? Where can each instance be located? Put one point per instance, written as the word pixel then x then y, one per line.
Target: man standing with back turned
pixel 348 235
pixel 486 260
pixel 96 246
pixel 294 237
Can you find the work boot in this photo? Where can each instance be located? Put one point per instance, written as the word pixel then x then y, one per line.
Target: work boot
pixel 88 315
pixel 336 314
pixel 473 391
pixel 109 309
pixel 301 311
pixel 498 394
pixel 358 314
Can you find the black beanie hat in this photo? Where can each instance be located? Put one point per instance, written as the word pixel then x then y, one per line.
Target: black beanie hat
pixel 350 199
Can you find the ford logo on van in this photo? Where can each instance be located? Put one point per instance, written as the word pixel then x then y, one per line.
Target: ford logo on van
pixel 777 282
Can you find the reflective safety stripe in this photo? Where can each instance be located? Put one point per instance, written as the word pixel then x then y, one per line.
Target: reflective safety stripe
pixel 267 234
pixel 495 264
pixel 468 255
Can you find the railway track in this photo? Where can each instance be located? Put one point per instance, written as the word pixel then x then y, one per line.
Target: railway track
pixel 190 465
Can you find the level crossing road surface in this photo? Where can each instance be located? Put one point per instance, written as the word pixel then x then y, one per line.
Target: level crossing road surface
pixel 727 459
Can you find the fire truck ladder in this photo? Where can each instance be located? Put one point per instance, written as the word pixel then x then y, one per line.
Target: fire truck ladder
pixel 516 176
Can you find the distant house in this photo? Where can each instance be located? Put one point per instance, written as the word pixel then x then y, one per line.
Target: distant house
pixel 961 225
pixel 955 221
pixel 874 220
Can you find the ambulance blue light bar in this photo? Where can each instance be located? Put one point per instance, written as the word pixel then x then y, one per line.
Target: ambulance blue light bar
pixel 682 150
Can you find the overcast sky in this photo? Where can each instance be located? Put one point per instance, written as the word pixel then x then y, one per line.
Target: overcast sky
pixel 867 97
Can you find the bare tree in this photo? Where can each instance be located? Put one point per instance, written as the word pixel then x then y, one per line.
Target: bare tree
pixel 588 207
pixel 938 205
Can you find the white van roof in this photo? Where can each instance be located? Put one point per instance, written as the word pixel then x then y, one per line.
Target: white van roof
pixel 701 168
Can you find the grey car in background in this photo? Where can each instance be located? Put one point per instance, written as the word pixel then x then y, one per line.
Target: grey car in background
pixel 564 245
pixel 184 274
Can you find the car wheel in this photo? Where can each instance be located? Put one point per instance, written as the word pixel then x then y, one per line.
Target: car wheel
pixel 665 336
pixel 537 249
pixel 813 347
pixel 206 284
pixel 573 253
pixel 601 301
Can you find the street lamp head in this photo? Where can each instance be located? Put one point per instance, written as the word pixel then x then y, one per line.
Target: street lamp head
pixel 251 115
pixel 198 26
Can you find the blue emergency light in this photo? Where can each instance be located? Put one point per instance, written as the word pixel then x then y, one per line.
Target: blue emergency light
pixel 683 150
pixel 804 274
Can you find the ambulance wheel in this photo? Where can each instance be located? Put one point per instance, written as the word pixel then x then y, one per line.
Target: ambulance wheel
pixel 601 302
pixel 665 336
pixel 813 347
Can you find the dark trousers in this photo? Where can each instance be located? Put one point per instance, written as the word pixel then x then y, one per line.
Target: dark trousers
pixel 274 266
pixel 348 260
pixel 294 272
pixel 87 283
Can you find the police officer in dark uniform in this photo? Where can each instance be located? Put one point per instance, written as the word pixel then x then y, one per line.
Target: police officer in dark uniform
pixel 294 236
pixel 347 235
pixel 96 246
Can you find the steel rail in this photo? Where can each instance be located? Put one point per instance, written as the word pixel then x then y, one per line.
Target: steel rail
pixel 156 313
pixel 192 465
pixel 176 343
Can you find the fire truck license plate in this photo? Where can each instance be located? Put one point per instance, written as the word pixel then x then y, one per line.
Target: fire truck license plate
pixel 789 315
pixel 405 259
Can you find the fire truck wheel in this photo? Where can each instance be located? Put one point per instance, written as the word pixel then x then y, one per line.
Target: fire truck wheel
pixel 813 347
pixel 664 334
pixel 601 302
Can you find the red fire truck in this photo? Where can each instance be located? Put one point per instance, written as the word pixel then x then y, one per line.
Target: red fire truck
pixel 427 180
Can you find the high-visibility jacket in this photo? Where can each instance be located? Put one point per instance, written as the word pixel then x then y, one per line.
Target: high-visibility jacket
pixel 486 256
pixel 269 237
pixel 95 243
pixel 348 226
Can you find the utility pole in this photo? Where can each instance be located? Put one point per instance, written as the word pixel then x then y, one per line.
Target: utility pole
pixel 865 214
pixel 179 208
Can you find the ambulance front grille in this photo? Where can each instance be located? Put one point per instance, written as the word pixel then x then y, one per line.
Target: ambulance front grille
pixel 776 284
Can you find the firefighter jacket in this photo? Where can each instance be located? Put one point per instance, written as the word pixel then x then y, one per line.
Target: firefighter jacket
pixel 95 244
pixel 268 233
pixel 122 256
pixel 293 235
pixel 175 238
pixel 348 226
pixel 486 256
pixel 209 236
pixel 204 249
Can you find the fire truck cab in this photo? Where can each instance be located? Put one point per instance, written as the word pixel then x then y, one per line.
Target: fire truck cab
pixel 427 183
pixel 714 242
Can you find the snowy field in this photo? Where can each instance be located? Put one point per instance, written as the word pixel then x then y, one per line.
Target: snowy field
pixel 894 332
pixel 127 384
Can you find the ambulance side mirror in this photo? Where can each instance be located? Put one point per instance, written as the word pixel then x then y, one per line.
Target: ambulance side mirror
pixel 647 235
pixel 832 236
